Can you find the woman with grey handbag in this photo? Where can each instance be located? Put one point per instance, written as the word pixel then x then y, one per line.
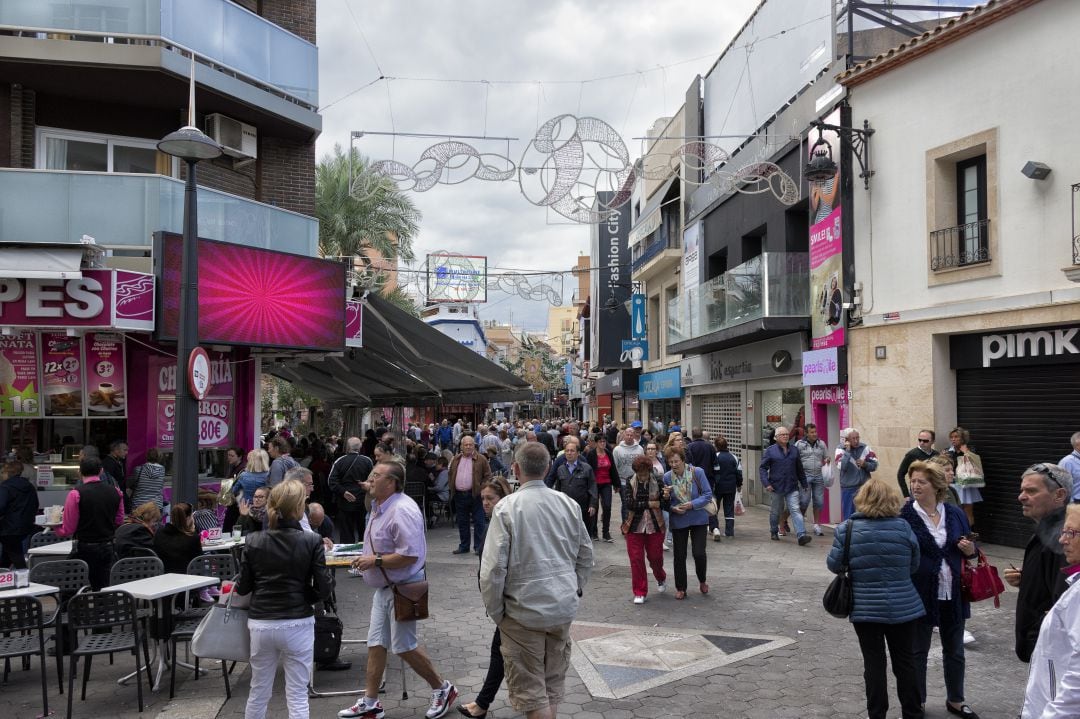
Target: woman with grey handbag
pixel 882 555
pixel 284 570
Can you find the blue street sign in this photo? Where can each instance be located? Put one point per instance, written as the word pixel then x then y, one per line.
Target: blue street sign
pixel 634 350
pixel 638 330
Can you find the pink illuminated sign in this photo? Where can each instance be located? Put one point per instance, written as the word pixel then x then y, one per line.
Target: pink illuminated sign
pixel 252 296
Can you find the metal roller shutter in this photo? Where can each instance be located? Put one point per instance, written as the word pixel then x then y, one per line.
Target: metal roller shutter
pixel 721 414
pixel 1017 416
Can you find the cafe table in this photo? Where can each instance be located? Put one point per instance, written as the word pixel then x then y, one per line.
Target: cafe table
pixel 33 590
pixel 59 549
pixel 225 544
pixel 158 589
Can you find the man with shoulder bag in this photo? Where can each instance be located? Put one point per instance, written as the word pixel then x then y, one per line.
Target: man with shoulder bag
pixel 392 561
pixel 346 480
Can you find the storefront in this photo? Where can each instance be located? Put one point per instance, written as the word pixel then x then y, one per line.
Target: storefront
pixel 743 394
pixel 661 394
pixel 1017 393
pixel 616 396
pixel 824 374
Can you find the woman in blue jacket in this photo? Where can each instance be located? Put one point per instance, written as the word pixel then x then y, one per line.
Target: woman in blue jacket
pixel 945 540
pixel 689 492
pixel 883 555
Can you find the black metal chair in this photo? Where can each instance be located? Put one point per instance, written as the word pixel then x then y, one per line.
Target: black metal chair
pixel 70 576
pixel 43 539
pixel 130 569
pixel 20 619
pixel 113 611
pixel 223 567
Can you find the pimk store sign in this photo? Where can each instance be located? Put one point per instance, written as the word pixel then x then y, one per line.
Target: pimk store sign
pixel 216 410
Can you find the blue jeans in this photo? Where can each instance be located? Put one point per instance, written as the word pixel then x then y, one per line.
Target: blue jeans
pixel 791 501
pixel 952 652
pixel 847 501
pixel 466 508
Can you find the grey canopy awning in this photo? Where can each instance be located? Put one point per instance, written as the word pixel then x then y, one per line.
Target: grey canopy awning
pixel 403 361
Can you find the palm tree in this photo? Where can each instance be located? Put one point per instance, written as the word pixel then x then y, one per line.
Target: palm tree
pixel 374 226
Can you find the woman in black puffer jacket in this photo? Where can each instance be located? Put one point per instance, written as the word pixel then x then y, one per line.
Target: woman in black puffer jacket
pixel 285 567
pixel 18 507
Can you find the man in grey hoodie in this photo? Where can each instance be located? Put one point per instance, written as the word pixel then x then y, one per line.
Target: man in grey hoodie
pixel 624 454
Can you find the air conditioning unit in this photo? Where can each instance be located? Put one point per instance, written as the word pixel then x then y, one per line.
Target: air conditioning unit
pixel 235 137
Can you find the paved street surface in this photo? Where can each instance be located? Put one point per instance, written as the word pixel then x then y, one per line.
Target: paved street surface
pixel 759 646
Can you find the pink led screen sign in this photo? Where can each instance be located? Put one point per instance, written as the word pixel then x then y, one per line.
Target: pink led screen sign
pixel 252 296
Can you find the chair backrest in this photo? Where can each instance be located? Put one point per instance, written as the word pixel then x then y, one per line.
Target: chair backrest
pixel 417 490
pixel 132 568
pixel 94 610
pixel 44 539
pixel 68 575
pixel 217 564
pixel 19 614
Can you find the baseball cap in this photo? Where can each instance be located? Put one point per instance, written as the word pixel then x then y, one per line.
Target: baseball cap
pixel 635 424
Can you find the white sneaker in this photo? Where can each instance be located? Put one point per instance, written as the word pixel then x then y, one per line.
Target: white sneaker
pixel 969 638
pixel 441 700
pixel 817 530
pixel 661 587
pixel 359 709
pixel 667 547
pixel 639 600
pixel 716 535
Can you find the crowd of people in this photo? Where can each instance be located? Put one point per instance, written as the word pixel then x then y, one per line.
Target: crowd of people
pixel 906 545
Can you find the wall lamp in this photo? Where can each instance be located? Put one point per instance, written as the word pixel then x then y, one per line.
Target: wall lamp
pixel 611 304
pixel 822 167
pixel 1036 170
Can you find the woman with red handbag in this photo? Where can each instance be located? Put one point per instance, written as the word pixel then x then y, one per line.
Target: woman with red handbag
pixel 943 533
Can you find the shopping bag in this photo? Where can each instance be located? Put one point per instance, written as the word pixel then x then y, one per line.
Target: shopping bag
pixel 739 508
pixel 827 473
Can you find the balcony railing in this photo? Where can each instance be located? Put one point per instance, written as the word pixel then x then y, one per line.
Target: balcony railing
pixel 644 252
pixel 960 246
pixel 774 284
pixel 126 209
pixel 220 32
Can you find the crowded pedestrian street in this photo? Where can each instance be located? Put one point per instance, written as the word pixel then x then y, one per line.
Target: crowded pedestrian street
pixel 758 646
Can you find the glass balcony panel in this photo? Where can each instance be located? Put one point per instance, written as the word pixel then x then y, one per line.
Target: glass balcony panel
pixel 115 209
pixel 217 30
pixel 775 284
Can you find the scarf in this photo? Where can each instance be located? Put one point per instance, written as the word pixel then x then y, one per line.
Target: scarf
pixel 680 486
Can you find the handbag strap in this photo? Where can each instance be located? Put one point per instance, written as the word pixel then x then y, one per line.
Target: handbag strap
pixel 847 546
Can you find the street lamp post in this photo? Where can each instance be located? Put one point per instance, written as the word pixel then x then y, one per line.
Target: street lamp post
pixel 191 145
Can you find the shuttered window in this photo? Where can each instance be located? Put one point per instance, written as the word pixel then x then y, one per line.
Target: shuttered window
pixel 721 414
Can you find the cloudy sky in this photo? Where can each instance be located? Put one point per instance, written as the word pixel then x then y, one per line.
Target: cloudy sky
pixel 534 57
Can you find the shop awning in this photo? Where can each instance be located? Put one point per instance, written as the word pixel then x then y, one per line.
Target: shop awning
pixel 404 361
pixel 649 220
pixel 58 262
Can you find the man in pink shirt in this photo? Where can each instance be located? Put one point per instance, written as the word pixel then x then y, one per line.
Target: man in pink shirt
pixel 92 512
pixel 469 471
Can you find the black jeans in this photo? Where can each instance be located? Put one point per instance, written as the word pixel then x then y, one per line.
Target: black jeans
pixel 696 534
pixel 605 509
pixel 99 557
pixel 495 673
pixel 952 652
pixel 873 636
pixel 12 555
pixel 350 526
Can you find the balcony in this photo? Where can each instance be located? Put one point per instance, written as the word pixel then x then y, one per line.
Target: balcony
pixel 773 288
pixel 656 246
pixel 223 35
pixel 126 209
pixel 961 246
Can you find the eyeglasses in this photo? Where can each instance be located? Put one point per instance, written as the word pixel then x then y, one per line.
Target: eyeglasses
pixel 1044 469
pixel 921 440
pixel 1070 534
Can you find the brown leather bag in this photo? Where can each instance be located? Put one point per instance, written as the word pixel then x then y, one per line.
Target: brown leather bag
pixel 410 600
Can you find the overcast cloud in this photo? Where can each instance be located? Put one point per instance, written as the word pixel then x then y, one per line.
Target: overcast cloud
pixel 499 40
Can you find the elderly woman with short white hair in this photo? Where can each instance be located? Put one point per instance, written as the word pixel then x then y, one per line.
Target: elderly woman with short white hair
pixel 854 463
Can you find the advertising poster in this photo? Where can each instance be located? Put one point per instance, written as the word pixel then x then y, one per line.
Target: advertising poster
pixel 105 387
pixel 19 389
pixel 217 415
pixel 62 374
pixel 826 271
pixel 691 254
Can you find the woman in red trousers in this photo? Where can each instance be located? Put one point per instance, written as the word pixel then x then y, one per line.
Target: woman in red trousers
pixel 646 499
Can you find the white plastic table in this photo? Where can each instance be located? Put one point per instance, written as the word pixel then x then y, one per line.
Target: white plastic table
pixel 157 589
pixel 34 590
pixel 226 546
pixel 59 549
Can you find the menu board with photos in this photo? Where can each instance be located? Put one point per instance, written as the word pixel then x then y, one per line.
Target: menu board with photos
pixel 19 381
pixel 62 375
pixel 72 377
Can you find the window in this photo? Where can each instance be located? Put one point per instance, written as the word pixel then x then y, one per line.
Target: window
pixel 567 325
pixel 961 209
pixel 89 152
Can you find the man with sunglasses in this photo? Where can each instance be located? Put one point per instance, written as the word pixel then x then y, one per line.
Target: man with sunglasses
pixel 1045 489
pixel 921 452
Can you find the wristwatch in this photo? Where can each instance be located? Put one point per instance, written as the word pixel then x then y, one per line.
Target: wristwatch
pixel 378 560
